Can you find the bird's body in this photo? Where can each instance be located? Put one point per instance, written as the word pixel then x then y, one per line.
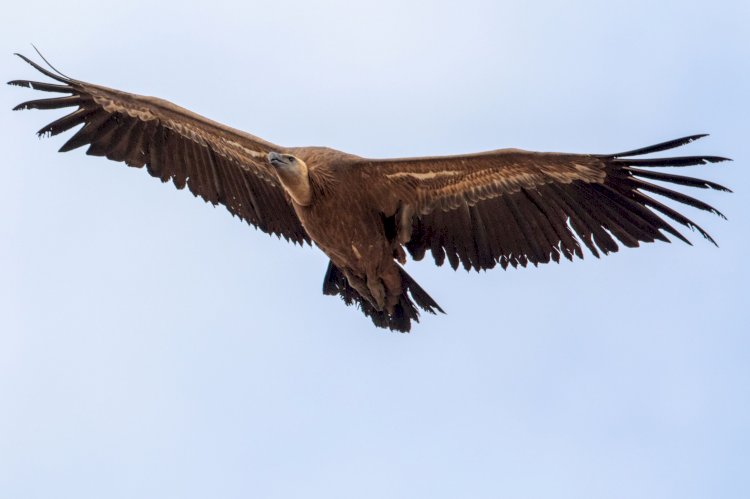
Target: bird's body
pixel 507 207
pixel 355 238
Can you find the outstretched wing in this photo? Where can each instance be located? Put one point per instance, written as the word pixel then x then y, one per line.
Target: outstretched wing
pixel 218 163
pixel 514 207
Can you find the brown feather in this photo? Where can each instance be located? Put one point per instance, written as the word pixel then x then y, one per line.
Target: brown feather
pixel 66 122
pixel 550 239
pixel 476 210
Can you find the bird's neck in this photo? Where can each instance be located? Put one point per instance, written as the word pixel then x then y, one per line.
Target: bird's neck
pixel 296 181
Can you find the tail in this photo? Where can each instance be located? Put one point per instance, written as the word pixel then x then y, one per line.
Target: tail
pixel 335 283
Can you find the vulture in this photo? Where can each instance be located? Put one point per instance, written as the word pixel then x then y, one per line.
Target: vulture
pixel 507 206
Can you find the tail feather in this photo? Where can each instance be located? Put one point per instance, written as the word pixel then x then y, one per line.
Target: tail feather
pixel 420 296
pixel 335 283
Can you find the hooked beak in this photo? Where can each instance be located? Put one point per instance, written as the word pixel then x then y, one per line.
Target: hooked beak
pixel 276 159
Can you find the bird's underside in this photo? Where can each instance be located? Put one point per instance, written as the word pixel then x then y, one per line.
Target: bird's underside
pixel 506 207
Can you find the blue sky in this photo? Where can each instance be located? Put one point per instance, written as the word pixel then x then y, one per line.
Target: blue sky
pixel 153 346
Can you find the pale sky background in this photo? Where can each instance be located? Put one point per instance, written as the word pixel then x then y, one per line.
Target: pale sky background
pixel 154 347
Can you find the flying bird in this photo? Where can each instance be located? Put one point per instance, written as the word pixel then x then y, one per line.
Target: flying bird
pixel 506 207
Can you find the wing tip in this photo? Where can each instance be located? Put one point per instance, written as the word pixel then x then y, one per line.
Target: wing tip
pixel 662 146
pixel 717 159
pixel 23 57
pixel 56 75
pixel 688 139
pixel 710 239
pixel 697 136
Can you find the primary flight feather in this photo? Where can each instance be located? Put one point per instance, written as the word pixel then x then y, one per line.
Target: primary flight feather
pixel 506 206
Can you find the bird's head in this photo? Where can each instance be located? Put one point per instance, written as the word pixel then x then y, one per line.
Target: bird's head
pixel 293 174
pixel 284 161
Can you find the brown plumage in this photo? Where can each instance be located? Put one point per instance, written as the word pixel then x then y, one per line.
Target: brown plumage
pixel 507 206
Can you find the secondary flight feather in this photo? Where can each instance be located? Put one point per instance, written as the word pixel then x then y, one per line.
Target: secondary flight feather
pixel 506 207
